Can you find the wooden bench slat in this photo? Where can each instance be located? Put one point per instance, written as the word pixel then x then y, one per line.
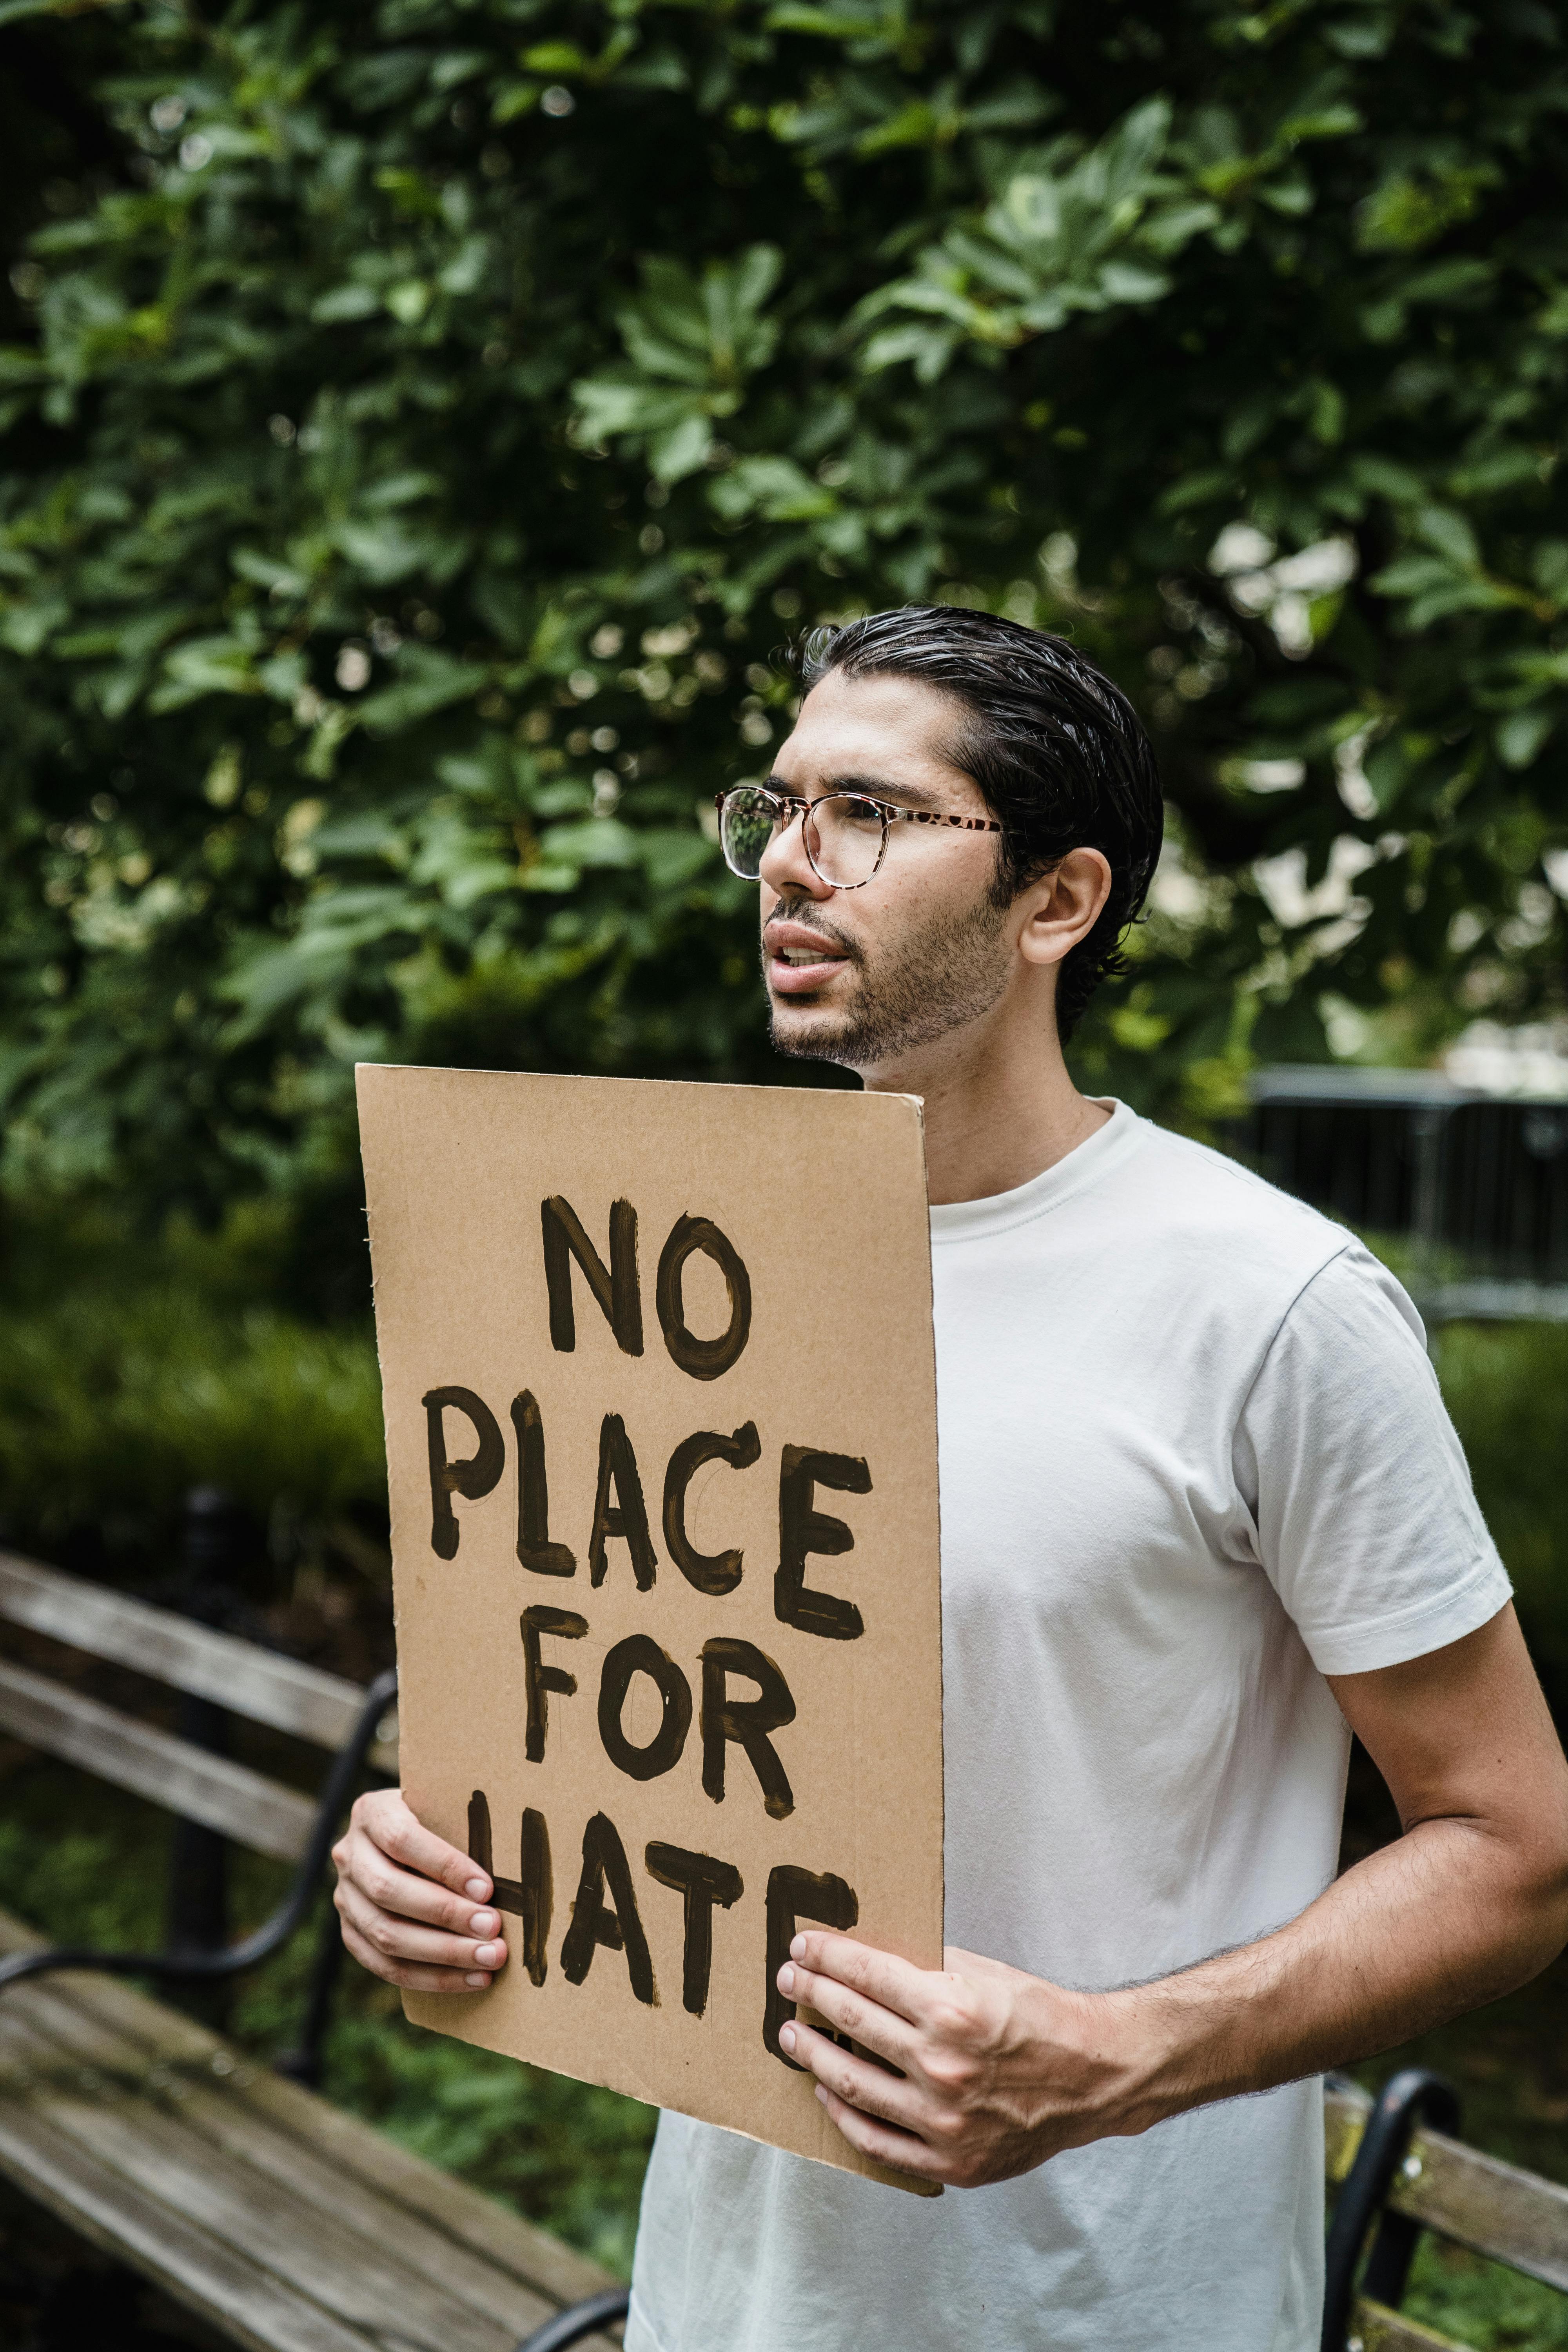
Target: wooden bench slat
pixel 359 2282
pixel 256 1811
pixel 1346 2108
pixel 1374 2328
pixel 222 2130
pixel 142 2124
pixel 1493 2208
pixel 260 2311
pixel 476 2223
pixel 78 2050
pixel 280 1692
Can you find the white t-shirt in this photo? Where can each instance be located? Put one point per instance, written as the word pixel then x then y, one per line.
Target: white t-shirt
pixel 1193 1459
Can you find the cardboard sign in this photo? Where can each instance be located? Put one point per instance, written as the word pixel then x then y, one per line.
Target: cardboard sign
pixel 661 1401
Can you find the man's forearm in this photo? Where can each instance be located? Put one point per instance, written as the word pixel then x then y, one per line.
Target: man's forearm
pixel 1443 1918
pixel 995 2071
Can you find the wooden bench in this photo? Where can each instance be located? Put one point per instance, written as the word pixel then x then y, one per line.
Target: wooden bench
pixel 1397 2174
pixel 280 2221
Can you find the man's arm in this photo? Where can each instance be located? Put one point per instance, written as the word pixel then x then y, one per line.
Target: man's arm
pixel 1002 2070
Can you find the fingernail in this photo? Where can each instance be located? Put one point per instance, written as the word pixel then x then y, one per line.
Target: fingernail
pixel 483 1923
pixel 786 1980
pixel 822 2093
pixel 478 1981
pixel 487 1955
pixel 478 1888
pixel 786 2037
pixel 797 1949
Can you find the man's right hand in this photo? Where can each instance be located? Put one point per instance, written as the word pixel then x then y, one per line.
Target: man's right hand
pixel 413 1910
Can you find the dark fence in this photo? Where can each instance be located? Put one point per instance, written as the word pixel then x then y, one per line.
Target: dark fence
pixel 1483 1183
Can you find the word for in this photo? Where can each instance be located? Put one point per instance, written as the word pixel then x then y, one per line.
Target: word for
pixel 744 1722
pixel 620 1508
pixel 606 1913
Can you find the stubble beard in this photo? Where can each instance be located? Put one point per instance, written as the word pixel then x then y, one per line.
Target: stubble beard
pixel 913 994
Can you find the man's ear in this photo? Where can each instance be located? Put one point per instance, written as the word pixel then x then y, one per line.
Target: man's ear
pixel 1063 907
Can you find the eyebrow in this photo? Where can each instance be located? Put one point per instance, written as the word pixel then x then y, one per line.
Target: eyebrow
pixel 875 787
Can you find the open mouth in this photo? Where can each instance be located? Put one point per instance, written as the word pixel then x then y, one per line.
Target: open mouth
pixel 800 961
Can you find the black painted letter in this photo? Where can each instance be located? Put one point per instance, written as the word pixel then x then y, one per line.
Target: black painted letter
pixel 802 1530
pixel 479 1846
pixel 703 1881
pixel 627 1515
pixel 472 1478
pixel 703 1359
pixel 534 1548
pixel 539 1678
pixel 616 1292
pixel 714 1572
pixel 793 1895
pixel 640 1655
pixel 529 1896
pixel 746 1721
pixel 594 1922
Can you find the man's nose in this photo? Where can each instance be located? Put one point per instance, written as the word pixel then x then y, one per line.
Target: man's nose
pixel 786 866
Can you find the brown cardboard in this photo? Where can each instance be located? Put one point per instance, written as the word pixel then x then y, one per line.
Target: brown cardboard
pixel 822 1197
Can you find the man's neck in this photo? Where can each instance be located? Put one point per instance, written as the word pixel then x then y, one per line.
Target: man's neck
pixel 999 1108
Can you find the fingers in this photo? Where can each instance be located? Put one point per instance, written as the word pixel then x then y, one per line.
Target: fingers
pixel 864 2021
pixel 856 2082
pixel 392 1888
pixel 390 1822
pixel 402 1942
pixel 901 2151
pixel 891 1983
pixel 410 1976
pixel 407 1902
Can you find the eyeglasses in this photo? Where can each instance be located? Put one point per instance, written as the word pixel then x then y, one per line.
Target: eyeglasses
pixel 846 833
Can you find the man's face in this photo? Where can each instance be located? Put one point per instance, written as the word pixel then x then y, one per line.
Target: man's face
pixel 864 977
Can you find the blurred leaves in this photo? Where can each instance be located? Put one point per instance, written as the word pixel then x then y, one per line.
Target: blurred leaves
pixel 424 420
pixel 130 1376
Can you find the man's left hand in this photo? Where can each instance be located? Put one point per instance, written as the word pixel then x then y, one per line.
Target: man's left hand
pixel 995 2071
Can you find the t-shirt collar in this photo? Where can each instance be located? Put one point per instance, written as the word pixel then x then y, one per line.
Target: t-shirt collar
pixel 1088 1163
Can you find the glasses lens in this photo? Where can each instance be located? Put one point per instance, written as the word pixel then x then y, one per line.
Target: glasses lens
pixel 746 824
pixel 847 839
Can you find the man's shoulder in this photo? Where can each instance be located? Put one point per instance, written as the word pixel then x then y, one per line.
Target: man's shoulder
pixel 1179 1199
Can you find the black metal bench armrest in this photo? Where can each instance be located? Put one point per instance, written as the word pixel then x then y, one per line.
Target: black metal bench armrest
pixel 1411 2098
pixel 571 2326
pixel 194 1965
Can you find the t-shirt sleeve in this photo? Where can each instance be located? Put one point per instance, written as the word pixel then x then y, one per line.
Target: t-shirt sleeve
pixel 1354 1480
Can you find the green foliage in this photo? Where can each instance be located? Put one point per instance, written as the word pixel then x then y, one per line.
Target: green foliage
pixel 424 418
pixel 1506 1388
pixel 1481 2303
pixel 566 2153
pixel 131 1373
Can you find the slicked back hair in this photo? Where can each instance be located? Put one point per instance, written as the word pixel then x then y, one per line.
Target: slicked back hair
pixel 1058 751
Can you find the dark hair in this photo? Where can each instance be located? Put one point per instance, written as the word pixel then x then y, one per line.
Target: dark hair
pixel 1058 753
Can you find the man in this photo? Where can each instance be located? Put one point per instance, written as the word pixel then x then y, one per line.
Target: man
pixel 1203 1515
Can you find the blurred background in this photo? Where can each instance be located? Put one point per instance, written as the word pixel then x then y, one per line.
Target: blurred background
pixel 424 421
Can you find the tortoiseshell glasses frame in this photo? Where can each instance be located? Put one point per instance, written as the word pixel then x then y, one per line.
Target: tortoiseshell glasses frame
pixel 751 815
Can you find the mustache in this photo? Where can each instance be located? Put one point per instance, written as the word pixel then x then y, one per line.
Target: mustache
pixel 829 932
